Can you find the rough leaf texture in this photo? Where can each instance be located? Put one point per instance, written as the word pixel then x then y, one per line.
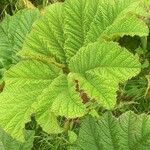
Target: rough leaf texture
pixel 46 39
pixel 66 54
pixel 99 74
pixel 128 132
pixel 82 26
pixel 26 81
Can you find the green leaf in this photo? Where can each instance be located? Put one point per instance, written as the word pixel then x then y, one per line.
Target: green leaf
pixel 78 17
pixel 99 73
pixel 46 39
pixel 26 81
pixel 40 88
pixel 68 102
pixel 13 31
pixel 82 27
pixel 128 132
pixel 115 18
pixel 8 143
pixel 62 98
pixel 121 27
pixel 25 20
pixel 59 98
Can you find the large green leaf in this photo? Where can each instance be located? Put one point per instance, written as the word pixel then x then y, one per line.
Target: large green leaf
pixel 117 14
pixel 108 17
pixel 100 71
pixel 26 81
pixel 13 31
pixel 37 87
pixel 128 132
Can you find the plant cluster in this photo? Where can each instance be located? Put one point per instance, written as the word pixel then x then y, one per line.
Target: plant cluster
pixel 77 76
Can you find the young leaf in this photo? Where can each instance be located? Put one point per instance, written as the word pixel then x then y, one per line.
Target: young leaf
pixel 72 107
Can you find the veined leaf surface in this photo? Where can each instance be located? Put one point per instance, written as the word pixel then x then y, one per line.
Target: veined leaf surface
pixel 100 73
pixel 82 27
pixel 65 54
pixel 26 81
pixel 128 132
